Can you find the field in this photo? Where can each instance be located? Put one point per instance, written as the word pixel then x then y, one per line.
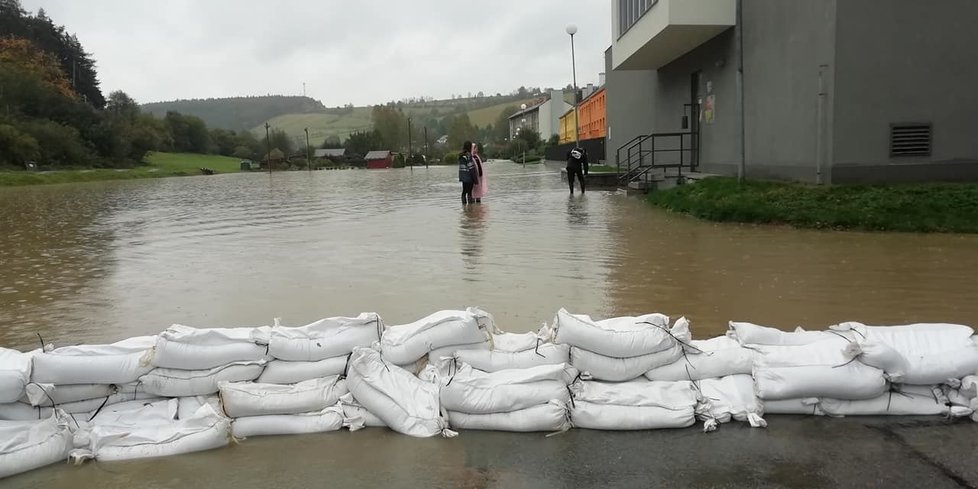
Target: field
pixel 158 165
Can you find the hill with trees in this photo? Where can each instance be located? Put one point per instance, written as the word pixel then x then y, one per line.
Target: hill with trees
pixel 238 113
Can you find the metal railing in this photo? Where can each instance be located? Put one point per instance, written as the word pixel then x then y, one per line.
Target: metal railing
pixel 664 150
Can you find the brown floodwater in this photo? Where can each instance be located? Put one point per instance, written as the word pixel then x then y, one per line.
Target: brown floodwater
pixel 99 262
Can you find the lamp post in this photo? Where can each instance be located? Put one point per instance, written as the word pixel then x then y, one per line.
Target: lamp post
pixel 410 150
pixel 308 154
pixel 268 143
pixel 571 30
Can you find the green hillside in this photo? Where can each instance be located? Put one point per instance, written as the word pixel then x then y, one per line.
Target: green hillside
pixel 237 113
pixel 334 123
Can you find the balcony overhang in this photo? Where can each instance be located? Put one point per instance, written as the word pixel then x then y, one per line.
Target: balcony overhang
pixel 670 29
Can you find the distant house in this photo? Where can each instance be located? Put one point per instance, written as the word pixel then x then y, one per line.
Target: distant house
pixel 379 159
pixel 329 153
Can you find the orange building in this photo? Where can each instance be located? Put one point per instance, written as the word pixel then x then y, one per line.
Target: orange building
pixel 593 112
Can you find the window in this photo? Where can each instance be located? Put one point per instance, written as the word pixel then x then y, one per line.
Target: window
pixel 629 11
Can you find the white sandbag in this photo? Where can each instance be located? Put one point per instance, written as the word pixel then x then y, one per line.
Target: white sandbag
pixel 545 417
pixel 15 373
pixel 752 334
pixel 283 372
pixel 969 386
pixel 492 361
pixel 407 343
pixel 515 342
pixel 187 348
pixel 919 367
pixel 615 417
pixel 729 398
pixel 205 430
pixel 475 392
pixel 49 394
pixel 118 363
pixel 620 337
pixel 326 338
pixel 807 406
pixel 22 411
pixel 708 359
pixel 908 401
pixel 183 383
pixel 137 414
pixel 27 445
pixel 188 406
pixel 122 394
pixel 850 381
pixel 638 393
pixel 403 402
pixel 451 350
pixel 611 369
pixel 355 416
pixel 912 339
pixel 242 399
pixel 329 419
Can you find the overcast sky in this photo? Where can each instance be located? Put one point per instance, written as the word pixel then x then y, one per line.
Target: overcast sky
pixel 346 51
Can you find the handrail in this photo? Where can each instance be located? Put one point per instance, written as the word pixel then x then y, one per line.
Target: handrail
pixel 636 151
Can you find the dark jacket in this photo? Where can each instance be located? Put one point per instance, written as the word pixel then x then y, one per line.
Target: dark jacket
pixel 467 171
pixel 577 163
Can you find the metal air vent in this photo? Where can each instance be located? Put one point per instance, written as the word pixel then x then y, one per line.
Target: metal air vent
pixel 910 139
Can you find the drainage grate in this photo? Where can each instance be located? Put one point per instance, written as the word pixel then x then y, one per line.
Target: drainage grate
pixel 910 139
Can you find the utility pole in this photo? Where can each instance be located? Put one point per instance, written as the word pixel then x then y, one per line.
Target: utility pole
pixel 426 146
pixel 410 149
pixel 308 154
pixel 268 143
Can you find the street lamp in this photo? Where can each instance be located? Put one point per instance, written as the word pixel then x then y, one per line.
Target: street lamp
pixel 308 154
pixel 571 30
pixel 268 143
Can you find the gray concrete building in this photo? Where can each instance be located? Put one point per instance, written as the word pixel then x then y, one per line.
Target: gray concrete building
pixel 831 90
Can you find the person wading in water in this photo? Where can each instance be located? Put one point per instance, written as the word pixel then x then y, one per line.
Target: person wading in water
pixel 576 165
pixel 468 173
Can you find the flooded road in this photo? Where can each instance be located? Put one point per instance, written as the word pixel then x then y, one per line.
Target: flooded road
pixel 104 261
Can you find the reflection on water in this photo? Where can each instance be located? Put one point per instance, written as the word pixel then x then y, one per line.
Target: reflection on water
pixel 472 228
pixel 577 211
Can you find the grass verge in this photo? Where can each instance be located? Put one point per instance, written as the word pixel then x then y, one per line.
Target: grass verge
pixel 933 207
pixel 158 165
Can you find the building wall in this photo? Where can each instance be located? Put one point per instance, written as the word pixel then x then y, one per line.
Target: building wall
pixel 630 102
pixel 568 128
pixel 785 42
pixel 915 64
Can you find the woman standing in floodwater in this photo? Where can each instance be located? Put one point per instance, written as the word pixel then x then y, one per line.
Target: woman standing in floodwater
pixel 468 173
pixel 480 189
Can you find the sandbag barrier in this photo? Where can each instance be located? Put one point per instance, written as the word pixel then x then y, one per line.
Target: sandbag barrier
pixel 192 389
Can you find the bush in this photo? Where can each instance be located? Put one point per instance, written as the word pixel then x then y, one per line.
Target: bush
pixel 58 145
pixel 17 148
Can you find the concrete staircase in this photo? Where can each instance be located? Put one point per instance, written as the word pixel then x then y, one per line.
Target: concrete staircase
pixel 664 180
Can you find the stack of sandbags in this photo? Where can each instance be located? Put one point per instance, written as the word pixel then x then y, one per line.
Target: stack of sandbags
pixel 620 349
pixel 639 404
pixel 729 398
pixel 80 379
pixel 191 362
pixel 436 336
pixel 27 445
pixel 515 351
pixel 519 400
pixel 318 350
pixel 309 406
pixel 403 402
pixel 963 393
pixel 153 430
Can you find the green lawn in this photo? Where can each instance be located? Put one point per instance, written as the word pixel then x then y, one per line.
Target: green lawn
pixel 488 115
pixel 932 207
pixel 601 169
pixel 158 165
pixel 320 125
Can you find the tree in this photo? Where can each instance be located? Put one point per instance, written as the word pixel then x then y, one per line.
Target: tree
pixel 280 140
pixel 391 125
pixel 189 133
pixel 361 142
pixel 17 148
pixel 530 137
pixel 122 106
pixel 460 130
pixel 332 142
pixel 502 123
